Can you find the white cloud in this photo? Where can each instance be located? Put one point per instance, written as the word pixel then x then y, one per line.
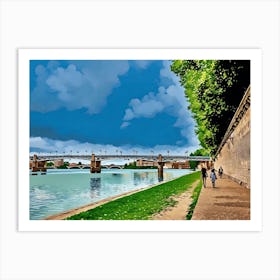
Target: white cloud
pixel 170 99
pixel 142 63
pixel 82 84
pixel 125 124
pixel 46 145
pixel 147 107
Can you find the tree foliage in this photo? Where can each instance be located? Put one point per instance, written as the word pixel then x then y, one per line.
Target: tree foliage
pixel 214 89
pixel 64 166
pixel 199 152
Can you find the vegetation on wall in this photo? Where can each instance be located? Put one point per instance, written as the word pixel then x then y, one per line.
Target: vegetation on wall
pixel 214 89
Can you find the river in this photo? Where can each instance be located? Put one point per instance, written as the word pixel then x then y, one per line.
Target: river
pixel 63 189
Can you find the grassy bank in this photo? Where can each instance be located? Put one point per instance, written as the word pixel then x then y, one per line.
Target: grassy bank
pixel 141 205
pixel 195 196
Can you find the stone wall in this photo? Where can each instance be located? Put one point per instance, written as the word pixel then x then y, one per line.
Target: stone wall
pixel 234 152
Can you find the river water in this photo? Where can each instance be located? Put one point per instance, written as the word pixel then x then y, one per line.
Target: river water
pixel 62 189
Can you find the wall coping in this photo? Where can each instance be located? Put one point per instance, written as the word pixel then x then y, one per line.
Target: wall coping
pixel 241 110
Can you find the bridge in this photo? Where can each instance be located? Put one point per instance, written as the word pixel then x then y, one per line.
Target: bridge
pixel 95 162
pixel 87 166
pixel 50 157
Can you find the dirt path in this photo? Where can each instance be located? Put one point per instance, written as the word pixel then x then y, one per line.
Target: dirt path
pixel 180 210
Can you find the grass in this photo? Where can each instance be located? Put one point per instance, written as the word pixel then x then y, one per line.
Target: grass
pixel 195 196
pixel 141 205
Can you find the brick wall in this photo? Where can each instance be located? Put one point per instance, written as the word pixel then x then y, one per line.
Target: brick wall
pixel 234 154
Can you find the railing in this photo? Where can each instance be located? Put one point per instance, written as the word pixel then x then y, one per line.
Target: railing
pixel 136 157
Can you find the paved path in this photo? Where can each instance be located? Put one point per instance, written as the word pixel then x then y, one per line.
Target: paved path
pixel 228 201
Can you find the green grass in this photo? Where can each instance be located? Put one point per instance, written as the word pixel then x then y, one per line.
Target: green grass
pixel 195 196
pixel 141 205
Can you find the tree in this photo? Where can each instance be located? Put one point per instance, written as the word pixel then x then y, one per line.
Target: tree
pixel 214 89
pixel 198 152
pixel 64 166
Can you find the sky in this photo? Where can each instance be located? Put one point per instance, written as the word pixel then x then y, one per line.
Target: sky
pixel 108 107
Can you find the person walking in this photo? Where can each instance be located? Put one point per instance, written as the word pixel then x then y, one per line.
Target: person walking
pixel 221 172
pixel 204 176
pixel 213 177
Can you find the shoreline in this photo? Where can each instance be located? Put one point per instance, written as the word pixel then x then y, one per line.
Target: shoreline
pixel 90 206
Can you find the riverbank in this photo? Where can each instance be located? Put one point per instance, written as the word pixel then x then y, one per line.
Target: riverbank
pixel 181 210
pixel 141 205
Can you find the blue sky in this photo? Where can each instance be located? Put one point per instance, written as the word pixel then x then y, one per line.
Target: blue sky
pixel 108 105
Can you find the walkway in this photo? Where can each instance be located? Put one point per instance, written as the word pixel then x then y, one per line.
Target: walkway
pixel 228 201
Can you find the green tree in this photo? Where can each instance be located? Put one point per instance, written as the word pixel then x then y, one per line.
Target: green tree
pixel 214 89
pixel 64 166
pixel 198 152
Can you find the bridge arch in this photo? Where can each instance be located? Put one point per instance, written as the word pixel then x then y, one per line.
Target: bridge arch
pixel 113 166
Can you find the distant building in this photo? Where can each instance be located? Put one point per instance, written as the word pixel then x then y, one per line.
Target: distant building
pixel 143 162
pixel 37 165
pixel 58 162
pixel 73 165
pixel 181 165
pixel 207 164
pixel 168 164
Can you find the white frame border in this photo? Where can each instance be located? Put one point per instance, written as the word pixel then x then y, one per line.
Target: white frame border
pixel 25 55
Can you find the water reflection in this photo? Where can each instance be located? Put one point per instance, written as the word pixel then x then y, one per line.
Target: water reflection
pixel 160 178
pixel 95 185
pixel 143 177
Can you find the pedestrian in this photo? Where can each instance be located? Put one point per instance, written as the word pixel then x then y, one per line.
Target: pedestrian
pixel 213 177
pixel 204 176
pixel 221 171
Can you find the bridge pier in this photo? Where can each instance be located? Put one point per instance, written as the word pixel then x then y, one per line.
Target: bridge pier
pixel 38 165
pixel 95 165
pixel 160 168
